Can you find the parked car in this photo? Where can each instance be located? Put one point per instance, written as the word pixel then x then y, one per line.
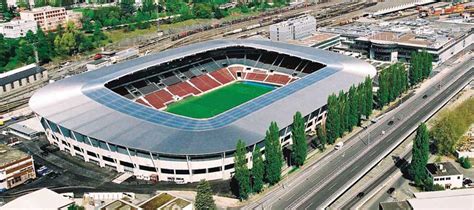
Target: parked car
pixel 339 145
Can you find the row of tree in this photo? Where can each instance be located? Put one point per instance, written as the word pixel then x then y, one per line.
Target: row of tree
pixel 451 125
pixel 421 65
pixel 345 110
pixel 68 41
pixel 393 81
pixel 269 171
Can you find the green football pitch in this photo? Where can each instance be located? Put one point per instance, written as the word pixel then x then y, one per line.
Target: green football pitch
pixel 220 100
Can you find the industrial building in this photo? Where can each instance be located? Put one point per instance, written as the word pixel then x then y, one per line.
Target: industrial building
pixel 293 28
pixel 117 117
pixel 16 167
pixel 22 77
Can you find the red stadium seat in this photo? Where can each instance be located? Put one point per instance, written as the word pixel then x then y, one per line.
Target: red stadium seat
pixel 204 83
pixel 183 89
pixel 222 75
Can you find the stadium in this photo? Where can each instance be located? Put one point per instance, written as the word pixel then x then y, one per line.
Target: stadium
pixel 178 114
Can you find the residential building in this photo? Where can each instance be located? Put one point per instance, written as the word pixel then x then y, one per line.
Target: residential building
pixel 48 18
pixel 22 77
pixel 293 29
pixel 40 199
pixel 16 167
pixel 445 174
pixel 17 28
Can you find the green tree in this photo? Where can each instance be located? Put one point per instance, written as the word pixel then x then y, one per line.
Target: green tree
pixel 321 133
pixel 4 54
pixel 273 155
pixel 420 155
pixel 382 92
pixel 332 119
pixel 353 103
pixel 40 3
pixel 202 10
pixel 369 98
pixel 258 170
pixel 465 162
pixel 127 7
pixel 75 207
pixel 300 146
pixel 43 47
pixel 242 173
pixel 149 6
pixel 204 200
pixel 343 108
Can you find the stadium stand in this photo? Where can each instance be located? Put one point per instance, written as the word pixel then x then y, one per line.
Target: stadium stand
pixel 236 69
pixel 142 102
pixel 278 79
pixel 183 89
pixel 222 75
pixel 256 76
pixel 159 99
pixel 204 83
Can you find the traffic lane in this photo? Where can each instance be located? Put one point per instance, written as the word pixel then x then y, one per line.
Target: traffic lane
pixel 340 181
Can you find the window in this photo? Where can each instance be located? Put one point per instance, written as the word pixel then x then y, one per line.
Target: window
pixel 79 137
pixel 215 169
pixel 53 126
pixel 230 166
pixel 199 171
pixel 143 154
pixel 113 148
pixel 77 149
pixel 182 172
pixel 122 150
pixel 448 178
pixel 127 164
pixel 94 142
pixel 66 132
pixel 92 154
pixel 147 168
pixel 108 159
pixel 167 171
pixel 103 145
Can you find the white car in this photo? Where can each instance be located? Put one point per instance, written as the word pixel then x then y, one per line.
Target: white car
pixel 338 146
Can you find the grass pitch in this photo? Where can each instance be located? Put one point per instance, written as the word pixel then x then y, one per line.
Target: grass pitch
pixel 219 100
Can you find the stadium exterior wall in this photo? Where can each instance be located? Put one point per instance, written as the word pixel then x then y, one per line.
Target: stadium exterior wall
pixel 146 162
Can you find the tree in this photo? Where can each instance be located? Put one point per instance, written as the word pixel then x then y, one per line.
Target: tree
pixel 4 54
pixel 258 170
pixel 369 98
pixel 343 113
pixel 332 119
pixel 43 47
pixel 40 3
pixel 127 7
pixel 273 155
pixel 353 103
pixel 242 174
pixel 148 6
pixel 414 74
pixel 75 207
pixel 202 10
pixel 465 162
pixel 300 146
pixel 420 155
pixel 204 200
pixel 321 133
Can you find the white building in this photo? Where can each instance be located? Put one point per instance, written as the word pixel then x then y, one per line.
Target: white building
pixel 293 29
pixel 40 199
pixel 445 174
pixel 17 28
pixel 14 3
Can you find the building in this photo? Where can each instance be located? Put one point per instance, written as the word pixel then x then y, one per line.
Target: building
pixel 293 29
pixel 93 65
pixel 396 40
pixel 116 116
pixel 445 174
pixel 16 167
pixel 17 28
pixel 387 7
pixel 448 199
pixel 40 199
pixel 48 18
pixel 14 3
pixel 319 40
pixel 28 129
pixel 22 77
pixel 161 201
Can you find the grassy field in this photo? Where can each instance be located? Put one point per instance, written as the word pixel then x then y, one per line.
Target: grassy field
pixel 218 101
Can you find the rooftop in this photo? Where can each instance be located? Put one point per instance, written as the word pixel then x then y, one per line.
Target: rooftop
pixel 447 199
pixel 314 39
pixel 19 73
pixel 9 155
pixel 442 169
pixel 395 205
pixel 36 200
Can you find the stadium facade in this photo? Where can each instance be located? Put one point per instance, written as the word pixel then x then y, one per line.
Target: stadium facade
pixel 116 116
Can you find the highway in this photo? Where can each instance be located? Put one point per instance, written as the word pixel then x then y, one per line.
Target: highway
pixel 320 183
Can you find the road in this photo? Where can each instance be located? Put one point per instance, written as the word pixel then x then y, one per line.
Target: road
pixel 317 183
pixel 401 164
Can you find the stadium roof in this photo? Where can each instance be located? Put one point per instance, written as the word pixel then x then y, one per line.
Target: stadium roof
pixel 82 103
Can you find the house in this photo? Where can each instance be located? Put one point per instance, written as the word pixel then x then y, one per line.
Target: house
pixel 445 174
pixel 16 167
pixel 37 200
